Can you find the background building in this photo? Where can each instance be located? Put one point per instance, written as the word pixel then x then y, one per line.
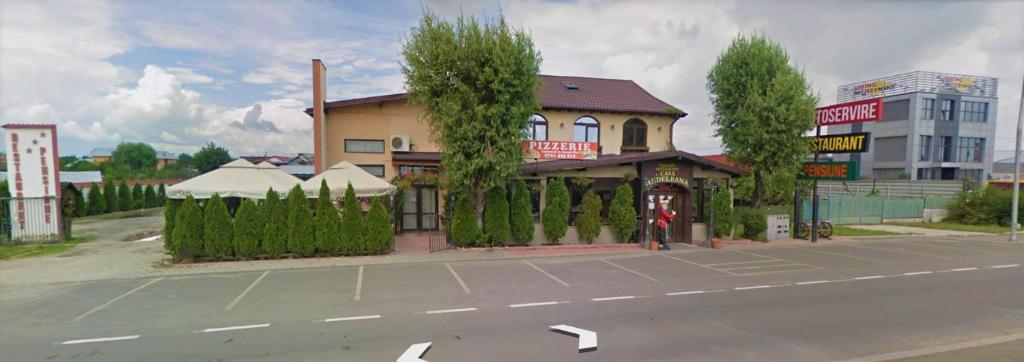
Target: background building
pixel 935 126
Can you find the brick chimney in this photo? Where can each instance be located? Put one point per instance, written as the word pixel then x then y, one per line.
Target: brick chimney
pixel 319 116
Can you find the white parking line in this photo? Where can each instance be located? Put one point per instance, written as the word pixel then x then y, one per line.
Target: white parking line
pixel 235 328
pixel 963 269
pixel 456 275
pixel 106 339
pixel 774 258
pixel 630 270
pixel 246 291
pixel 870 277
pixel 1004 266
pixel 811 249
pixel 359 283
pixel 754 287
pixel 690 292
pixel 112 301
pixel 613 298
pixel 356 318
pixel 813 282
pixel 546 273
pixel 745 262
pixel 932 245
pixel 457 310
pixel 538 304
pixel 697 264
pixel 903 251
pixel 918 273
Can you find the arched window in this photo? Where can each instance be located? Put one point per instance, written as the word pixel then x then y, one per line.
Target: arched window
pixel 586 129
pixel 537 130
pixel 634 135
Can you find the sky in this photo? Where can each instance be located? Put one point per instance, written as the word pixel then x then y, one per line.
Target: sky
pixel 180 74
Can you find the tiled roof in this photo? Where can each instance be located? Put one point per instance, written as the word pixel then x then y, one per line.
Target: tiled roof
pixel 626 158
pixel 101 152
pixel 570 93
pixel 722 159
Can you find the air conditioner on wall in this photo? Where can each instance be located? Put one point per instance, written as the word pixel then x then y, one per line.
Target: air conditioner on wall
pixel 400 143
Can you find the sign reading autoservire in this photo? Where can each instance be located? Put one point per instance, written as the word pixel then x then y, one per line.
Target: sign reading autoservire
pixel 560 150
pixel 836 171
pixel 867 110
pixel 842 143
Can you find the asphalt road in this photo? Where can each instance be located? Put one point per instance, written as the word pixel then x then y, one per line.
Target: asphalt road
pixel 857 300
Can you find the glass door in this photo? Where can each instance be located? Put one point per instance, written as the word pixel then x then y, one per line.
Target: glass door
pixel 419 209
pixel 428 208
pixel 410 217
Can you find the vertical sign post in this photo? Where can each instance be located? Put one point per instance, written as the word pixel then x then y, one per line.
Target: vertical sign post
pixel 1016 169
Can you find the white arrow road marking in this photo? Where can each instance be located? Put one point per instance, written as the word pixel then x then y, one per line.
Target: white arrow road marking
pixel 588 339
pixel 414 353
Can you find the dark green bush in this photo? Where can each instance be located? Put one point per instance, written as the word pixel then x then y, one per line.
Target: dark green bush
pixel 622 214
pixel 588 222
pixel 188 231
pixel 555 217
pixel 110 194
pixel 379 233
pixel 754 223
pixel 275 225
pixel 328 223
pixel 521 222
pixel 352 224
pixel 218 231
pixel 721 211
pixel 124 197
pixel 138 197
pixel 248 229
pixel 97 203
pixel 496 223
pixel 990 206
pixel 161 195
pixel 300 224
pixel 170 210
pixel 465 230
pixel 149 197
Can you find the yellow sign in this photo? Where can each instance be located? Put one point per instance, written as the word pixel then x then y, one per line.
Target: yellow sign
pixel 841 143
pixel 667 173
pixel 873 88
pixel 960 84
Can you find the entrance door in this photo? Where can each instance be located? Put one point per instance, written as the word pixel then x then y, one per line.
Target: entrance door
pixel 419 211
pixel 679 228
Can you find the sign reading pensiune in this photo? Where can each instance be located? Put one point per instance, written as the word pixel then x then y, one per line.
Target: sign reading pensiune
pixel 841 143
pixel 835 171
pixel 560 150
pixel 868 110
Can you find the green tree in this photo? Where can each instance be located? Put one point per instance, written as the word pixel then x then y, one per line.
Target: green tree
pixel 135 157
pixel 477 83
pixel 138 197
pixel 522 215
pixel 622 214
pixel 300 224
pixel 328 223
pixel 352 224
pixel 465 230
pixel 218 232
pixel 555 216
pixel 188 231
pixel 275 225
pixel 721 212
pixel 124 197
pixel 379 233
pixel 149 197
pixel 588 223
pixel 110 193
pixel 248 230
pixel 161 195
pixel 97 203
pixel 763 106
pixel 496 222
pixel 210 157
pixel 170 215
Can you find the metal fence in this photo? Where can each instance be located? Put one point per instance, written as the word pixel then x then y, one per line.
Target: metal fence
pixel 438 239
pixel 31 220
pixel 891 188
pixel 872 209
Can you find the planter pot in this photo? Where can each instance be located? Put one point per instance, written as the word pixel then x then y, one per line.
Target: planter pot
pixel 653 245
pixel 717 243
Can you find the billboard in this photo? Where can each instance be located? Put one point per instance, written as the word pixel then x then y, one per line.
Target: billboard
pixel 842 143
pixel 560 150
pixel 868 110
pixel 33 176
pixel 835 171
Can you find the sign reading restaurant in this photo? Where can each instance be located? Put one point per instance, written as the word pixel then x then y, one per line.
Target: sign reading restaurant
pixel 841 143
pixel 853 112
pixel 560 150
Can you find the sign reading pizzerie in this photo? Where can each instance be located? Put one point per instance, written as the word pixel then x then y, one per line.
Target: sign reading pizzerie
pixel 560 150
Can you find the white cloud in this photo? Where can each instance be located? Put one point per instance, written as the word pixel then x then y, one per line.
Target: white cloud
pixel 190 76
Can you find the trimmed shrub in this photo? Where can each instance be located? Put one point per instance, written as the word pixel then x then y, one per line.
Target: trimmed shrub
pixel 465 230
pixel 110 194
pixel 218 231
pixel 97 203
pixel 721 212
pixel 754 223
pixel 984 207
pixel 622 214
pixel 496 226
pixel 588 223
pixel 149 197
pixel 300 224
pixel 275 225
pixel 247 233
pixel 521 222
pixel 80 208
pixel 161 195
pixel 352 224
pixel 124 197
pixel 188 231
pixel 170 210
pixel 379 233
pixel 555 216
pixel 328 223
pixel 138 197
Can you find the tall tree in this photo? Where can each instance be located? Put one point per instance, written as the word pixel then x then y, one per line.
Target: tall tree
pixel 110 193
pixel 622 214
pixel 210 157
pixel 328 223
pixel 477 83
pixel 521 222
pixel 247 230
pixel 379 232
pixel 124 197
pixel 555 217
pixel 138 197
pixel 275 222
pixel 170 210
pixel 135 157
pixel 352 224
pixel 161 195
pixel 149 198
pixel 188 231
pixel 97 203
pixel 300 224
pixel 588 222
pixel 218 234
pixel 763 106
pixel 496 226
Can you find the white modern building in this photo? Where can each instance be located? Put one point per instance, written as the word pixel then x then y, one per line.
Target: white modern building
pixel 935 126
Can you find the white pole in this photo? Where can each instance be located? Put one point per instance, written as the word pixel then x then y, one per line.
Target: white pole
pixel 1016 168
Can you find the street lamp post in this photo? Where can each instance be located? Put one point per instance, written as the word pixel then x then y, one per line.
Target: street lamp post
pixel 1016 169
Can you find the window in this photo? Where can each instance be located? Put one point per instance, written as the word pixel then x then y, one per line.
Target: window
pixel 973 111
pixel 376 170
pixel 925 148
pixel 970 149
pixel 364 146
pixel 946 149
pixel 971 174
pixel 947 109
pixel 537 130
pixel 586 129
pixel 634 135
pixel 927 108
pixel 923 173
pixel 896 110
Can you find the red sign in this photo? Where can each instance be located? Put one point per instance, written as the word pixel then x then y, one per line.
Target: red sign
pixel 868 110
pixel 560 150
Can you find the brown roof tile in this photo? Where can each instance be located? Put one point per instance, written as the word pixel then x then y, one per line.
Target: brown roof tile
pixel 626 158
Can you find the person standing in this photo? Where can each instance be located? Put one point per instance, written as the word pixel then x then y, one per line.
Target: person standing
pixel 664 218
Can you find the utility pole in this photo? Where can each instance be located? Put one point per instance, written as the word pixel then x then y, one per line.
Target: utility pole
pixel 814 195
pixel 1016 168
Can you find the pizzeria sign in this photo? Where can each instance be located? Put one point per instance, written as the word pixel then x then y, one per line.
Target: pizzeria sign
pixel 560 150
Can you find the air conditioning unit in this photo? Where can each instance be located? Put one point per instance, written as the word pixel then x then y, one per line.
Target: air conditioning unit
pixel 400 143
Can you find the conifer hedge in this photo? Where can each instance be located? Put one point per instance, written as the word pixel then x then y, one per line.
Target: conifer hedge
pixel 521 221
pixel 110 194
pixel 248 230
pixel 555 216
pixel 722 213
pixel 328 223
pixel 161 195
pixel 218 232
pixel 149 197
pixel 97 203
pixel 496 222
pixel 170 211
pixel 465 230
pixel 622 214
pixel 352 224
pixel 300 224
pixel 138 197
pixel 379 233
pixel 275 225
pixel 188 231
pixel 588 222
pixel 124 197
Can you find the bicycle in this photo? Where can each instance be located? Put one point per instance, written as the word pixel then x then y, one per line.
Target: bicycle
pixel 825 230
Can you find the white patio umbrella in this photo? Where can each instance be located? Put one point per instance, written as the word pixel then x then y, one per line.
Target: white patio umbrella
pixel 340 175
pixel 238 178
